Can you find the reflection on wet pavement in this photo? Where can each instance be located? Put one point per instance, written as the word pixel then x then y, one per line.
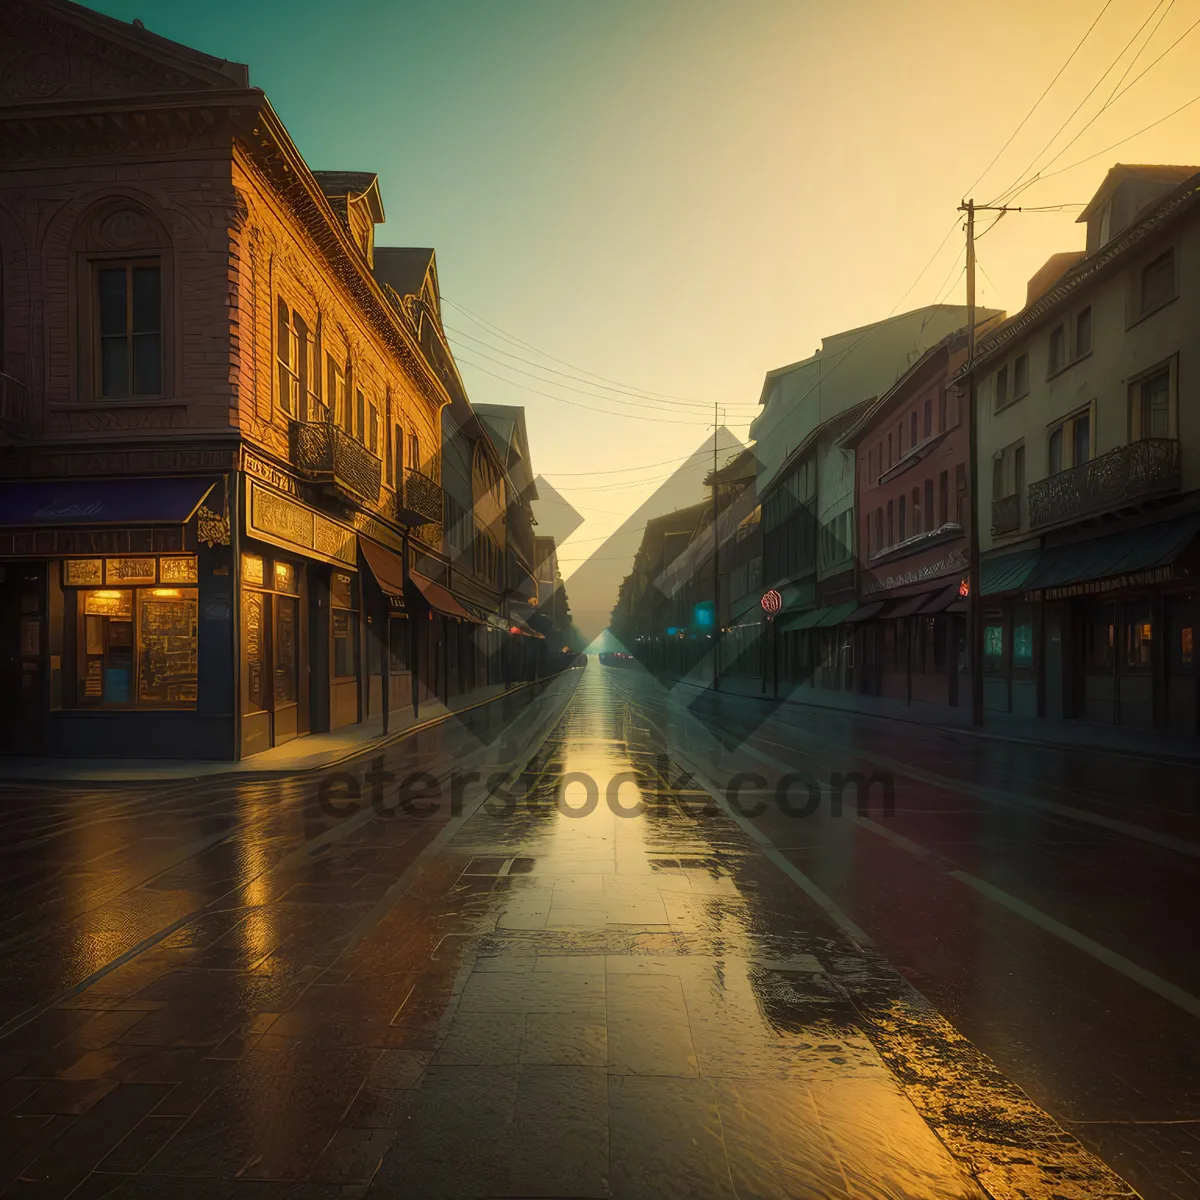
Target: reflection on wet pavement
pixel 545 997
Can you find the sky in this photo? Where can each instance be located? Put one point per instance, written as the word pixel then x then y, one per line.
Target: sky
pixel 661 200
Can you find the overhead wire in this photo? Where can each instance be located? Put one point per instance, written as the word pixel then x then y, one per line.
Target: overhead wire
pixel 1025 118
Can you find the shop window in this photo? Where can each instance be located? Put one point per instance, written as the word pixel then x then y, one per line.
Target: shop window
pixel 1184 648
pixel 284 644
pixel 993 647
pixel 254 649
pixel 1138 637
pixel 1101 638
pixel 137 646
pixel 128 345
pixel 344 603
pixel 937 628
pixel 1022 638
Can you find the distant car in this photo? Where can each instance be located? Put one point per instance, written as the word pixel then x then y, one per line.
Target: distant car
pixel 615 658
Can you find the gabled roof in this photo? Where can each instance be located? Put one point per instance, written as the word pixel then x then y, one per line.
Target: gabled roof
pixel 353 185
pixel 403 268
pixel 831 428
pixel 1172 207
pixel 506 425
pixel 1119 172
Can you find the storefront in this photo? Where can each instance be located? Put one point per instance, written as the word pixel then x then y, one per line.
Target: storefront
pixel 115 617
pixel 1099 629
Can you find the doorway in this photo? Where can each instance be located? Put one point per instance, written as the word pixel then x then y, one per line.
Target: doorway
pixel 22 657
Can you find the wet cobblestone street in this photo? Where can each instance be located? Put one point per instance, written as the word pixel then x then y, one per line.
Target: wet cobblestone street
pixel 590 983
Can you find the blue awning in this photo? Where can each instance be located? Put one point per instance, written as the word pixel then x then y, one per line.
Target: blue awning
pixel 43 504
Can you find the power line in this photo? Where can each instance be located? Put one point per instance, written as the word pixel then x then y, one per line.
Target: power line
pixel 1057 75
pixel 1141 50
pixel 1042 175
pixel 643 467
pixel 644 396
pixel 1019 184
pixel 508 337
pixel 632 416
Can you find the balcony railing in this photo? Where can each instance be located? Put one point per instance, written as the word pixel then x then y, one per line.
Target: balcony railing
pixel 1006 514
pixel 327 454
pixel 422 503
pixel 1111 482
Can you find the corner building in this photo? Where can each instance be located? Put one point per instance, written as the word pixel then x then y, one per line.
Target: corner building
pixel 220 501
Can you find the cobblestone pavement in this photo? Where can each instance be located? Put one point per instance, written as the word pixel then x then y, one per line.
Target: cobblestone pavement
pixel 575 976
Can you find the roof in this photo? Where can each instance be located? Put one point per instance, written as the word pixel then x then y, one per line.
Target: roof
pixel 742 465
pixel 353 184
pixel 1171 207
pixel 403 268
pixel 1119 172
pixel 833 427
pixel 505 423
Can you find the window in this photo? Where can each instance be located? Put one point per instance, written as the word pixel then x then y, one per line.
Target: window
pixel 1070 443
pixel 288 354
pixel 1055 463
pixel 129 330
pixel 912 430
pixel 414 452
pixel 343 600
pixel 360 416
pixel 1001 386
pixel 891 529
pixel 1020 376
pixel 1158 281
pixel 929 418
pixel 373 428
pixel 871 466
pixel 1058 349
pixel 941 410
pixel 1138 637
pixel 993 646
pixel 1018 458
pixel 335 394
pixel 917 527
pixel 943 497
pixel 137 646
pixel 1083 332
pixel 900 526
pixel 1008 472
pixel 879 542
pixel 889 457
pixel 1150 406
pixel 930 523
pixel 1022 637
pixel 960 495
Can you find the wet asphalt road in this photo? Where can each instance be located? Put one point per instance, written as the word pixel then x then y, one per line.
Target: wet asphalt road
pixel 238 987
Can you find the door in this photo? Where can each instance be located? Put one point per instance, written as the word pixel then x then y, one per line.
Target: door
pixel 1052 657
pixel 1183 616
pixel 22 657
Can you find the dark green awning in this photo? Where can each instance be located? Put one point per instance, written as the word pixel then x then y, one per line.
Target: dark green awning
pixel 837 614
pixel 1006 572
pixel 806 620
pixel 1122 553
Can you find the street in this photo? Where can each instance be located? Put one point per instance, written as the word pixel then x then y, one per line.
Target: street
pixel 573 960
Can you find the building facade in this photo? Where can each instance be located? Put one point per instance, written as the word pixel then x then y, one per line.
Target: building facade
pixel 221 512
pixel 1089 454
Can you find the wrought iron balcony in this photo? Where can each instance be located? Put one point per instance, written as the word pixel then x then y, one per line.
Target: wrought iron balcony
pixel 1111 482
pixel 1006 514
pixel 326 454
pixel 422 502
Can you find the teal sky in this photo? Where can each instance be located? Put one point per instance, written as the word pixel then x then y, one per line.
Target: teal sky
pixel 681 195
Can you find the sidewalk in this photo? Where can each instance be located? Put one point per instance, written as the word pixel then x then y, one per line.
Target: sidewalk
pixel 1079 736
pixel 311 752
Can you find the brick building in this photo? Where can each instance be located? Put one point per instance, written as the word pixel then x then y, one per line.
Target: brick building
pixel 220 502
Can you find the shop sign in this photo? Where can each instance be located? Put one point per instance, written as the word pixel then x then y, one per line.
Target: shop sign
pixel 269 473
pixel 129 570
pixel 283 521
pixel 772 601
pixel 83 572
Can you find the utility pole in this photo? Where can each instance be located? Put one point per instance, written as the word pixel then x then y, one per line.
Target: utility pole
pixel 716 633
pixel 974 607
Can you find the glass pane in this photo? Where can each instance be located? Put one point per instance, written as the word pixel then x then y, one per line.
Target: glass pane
pixel 1100 637
pixel 167 645
pixel 1138 637
pixel 1155 413
pixel 254 645
pixel 114 366
pixel 341 591
pixel 1023 644
pixel 1083 439
pixel 112 300
pixel 147 372
pixel 146 304
pixel 1021 376
pixel 345 645
pixel 1056 451
pixel 285 650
